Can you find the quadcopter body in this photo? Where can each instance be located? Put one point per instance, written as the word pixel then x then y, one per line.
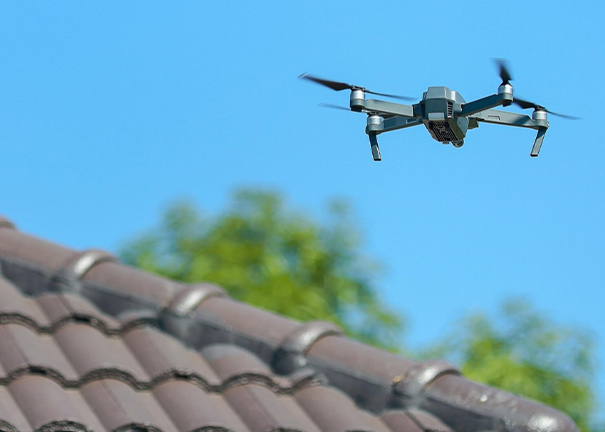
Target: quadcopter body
pixel 437 110
pixel 444 112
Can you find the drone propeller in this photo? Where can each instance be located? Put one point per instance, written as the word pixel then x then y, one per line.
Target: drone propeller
pixel 526 104
pixel 504 71
pixel 338 107
pixel 338 86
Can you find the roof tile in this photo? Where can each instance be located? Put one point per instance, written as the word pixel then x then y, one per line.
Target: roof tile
pixel 47 405
pixel 226 320
pixel 263 410
pixel 454 399
pixel 190 407
pixel 118 405
pixel 321 403
pixel 365 373
pixel 161 355
pixel 93 354
pixel 375 363
pixel 102 346
pixel 143 289
pixel 413 420
pixel 32 251
pixel 67 306
pixel 400 421
pixel 11 417
pixel 32 351
pixel 15 307
pixel 427 421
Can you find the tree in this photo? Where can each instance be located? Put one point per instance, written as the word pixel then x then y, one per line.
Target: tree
pixel 526 354
pixel 270 256
pixel 267 255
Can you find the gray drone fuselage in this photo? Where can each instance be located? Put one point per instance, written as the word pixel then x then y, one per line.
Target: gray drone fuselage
pixel 446 115
pixel 437 110
pixel 443 112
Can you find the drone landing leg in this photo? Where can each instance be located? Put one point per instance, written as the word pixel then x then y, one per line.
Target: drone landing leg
pixel 375 148
pixel 538 142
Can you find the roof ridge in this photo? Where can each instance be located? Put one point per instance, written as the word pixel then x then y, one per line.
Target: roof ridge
pixel 374 379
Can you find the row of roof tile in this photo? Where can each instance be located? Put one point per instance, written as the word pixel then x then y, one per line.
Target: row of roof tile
pixel 87 343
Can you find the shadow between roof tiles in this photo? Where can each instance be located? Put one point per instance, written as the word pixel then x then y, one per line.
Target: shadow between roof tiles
pixel 184 374
pixel 63 426
pixel 92 321
pixel 294 385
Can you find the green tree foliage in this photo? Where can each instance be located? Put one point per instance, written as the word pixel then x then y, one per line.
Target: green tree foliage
pixel 527 355
pixel 267 255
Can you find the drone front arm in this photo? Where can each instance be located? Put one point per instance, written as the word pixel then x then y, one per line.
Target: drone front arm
pixel 387 108
pixel 502 98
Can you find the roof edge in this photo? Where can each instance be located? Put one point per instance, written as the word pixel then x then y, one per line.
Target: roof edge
pixel 434 385
pixel 6 223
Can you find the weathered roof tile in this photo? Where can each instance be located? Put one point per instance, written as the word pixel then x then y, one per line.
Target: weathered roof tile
pixel 190 407
pixel 118 405
pixel 33 351
pixel 321 403
pixel 48 406
pixel 15 307
pixel 87 344
pixel 160 354
pixel 11 417
pixel 263 410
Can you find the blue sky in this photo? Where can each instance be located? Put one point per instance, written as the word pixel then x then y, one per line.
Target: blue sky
pixel 111 110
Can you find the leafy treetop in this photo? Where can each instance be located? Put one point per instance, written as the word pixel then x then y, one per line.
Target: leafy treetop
pixel 269 256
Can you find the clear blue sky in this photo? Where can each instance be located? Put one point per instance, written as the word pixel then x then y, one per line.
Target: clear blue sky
pixel 111 110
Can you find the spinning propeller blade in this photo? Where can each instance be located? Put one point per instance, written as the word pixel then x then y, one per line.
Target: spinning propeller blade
pixel 327 105
pixel 527 104
pixel 503 70
pixel 505 75
pixel 338 86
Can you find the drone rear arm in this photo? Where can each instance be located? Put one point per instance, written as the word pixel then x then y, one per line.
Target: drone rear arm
pixel 391 124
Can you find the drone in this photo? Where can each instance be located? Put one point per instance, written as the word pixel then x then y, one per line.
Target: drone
pixel 444 112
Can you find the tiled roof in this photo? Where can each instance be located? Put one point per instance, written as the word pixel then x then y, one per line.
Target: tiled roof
pixel 89 344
